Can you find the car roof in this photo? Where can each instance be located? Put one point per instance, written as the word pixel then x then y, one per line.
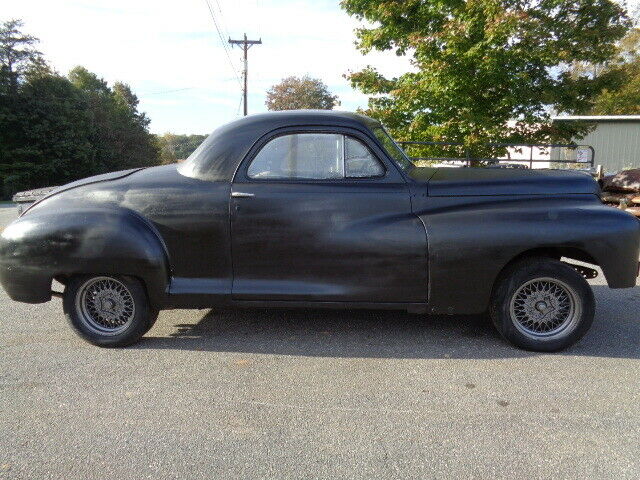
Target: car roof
pixel 268 121
pixel 218 157
pixel 293 117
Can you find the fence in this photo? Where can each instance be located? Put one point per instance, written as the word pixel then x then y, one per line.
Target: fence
pixel 559 153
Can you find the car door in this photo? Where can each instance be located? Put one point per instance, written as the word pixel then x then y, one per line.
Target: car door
pixel 323 215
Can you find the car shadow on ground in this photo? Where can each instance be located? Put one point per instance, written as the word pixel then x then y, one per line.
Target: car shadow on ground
pixel 390 334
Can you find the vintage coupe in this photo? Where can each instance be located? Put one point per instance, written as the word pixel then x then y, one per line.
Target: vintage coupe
pixel 321 209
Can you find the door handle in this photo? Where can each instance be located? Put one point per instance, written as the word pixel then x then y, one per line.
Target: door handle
pixel 241 195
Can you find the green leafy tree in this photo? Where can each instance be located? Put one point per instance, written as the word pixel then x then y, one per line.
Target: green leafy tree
pixel 136 147
pixel 56 129
pixel 119 132
pixel 187 144
pixel 622 98
pixel 45 139
pixel 478 64
pixel 166 146
pixel 294 93
pixel 17 53
pixel 174 147
pixel 43 125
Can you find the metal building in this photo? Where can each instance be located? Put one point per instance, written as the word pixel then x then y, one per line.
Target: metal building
pixel 615 139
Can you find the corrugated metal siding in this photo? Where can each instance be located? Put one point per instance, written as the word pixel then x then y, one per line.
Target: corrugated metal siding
pixel 617 145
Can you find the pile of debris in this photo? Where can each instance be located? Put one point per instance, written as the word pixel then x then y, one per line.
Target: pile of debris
pixel 622 190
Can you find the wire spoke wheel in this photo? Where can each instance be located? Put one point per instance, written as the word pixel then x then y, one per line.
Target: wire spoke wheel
pixel 105 305
pixel 545 307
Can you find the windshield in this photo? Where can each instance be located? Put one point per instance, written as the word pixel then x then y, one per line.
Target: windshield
pixel 393 149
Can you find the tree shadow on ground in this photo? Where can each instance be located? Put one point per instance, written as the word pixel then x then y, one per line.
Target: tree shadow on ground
pixel 392 334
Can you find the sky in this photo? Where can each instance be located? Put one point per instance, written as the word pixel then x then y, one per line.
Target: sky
pixel 170 53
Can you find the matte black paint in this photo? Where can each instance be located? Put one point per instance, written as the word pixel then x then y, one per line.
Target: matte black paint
pixel 327 242
pixel 472 238
pixel 335 240
pixel 446 182
pixel 429 237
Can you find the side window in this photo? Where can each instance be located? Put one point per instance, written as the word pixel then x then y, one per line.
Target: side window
pixel 359 162
pixel 314 156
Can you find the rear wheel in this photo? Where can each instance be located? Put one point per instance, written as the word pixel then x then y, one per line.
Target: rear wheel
pixel 542 304
pixel 108 311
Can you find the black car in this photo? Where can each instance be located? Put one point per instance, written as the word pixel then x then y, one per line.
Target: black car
pixel 321 209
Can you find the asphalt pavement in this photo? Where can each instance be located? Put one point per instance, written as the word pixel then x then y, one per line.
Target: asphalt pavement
pixel 309 394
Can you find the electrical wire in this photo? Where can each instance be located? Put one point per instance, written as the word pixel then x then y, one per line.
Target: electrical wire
pixel 166 91
pixel 222 22
pixel 239 105
pixel 223 43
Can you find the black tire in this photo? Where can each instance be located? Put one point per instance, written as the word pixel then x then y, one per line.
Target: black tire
pixel 542 304
pixel 153 316
pixel 126 317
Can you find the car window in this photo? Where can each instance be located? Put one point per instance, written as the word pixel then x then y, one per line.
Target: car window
pixel 316 156
pixel 359 162
pixel 393 149
pixel 303 155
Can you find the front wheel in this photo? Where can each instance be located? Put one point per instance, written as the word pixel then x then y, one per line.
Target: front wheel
pixel 108 311
pixel 542 304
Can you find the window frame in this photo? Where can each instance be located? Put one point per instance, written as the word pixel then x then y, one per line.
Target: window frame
pixel 390 174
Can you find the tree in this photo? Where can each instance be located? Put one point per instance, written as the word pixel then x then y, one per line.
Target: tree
pixel 45 140
pixel 480 63
pixel 294 93
pixel 174 147
pixel 623 98
pixel 119 132
pixel 137 147
pixel 42 123
pixel 56 129
pixel 17 52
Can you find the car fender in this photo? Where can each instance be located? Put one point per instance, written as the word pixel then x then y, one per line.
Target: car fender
pixel 472 239
pixel 45 244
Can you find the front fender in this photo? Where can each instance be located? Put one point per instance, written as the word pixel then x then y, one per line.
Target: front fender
pixel 471 239
pixel 46 243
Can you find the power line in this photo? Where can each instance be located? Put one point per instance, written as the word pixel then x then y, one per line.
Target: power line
pixel 166 91
pixel 222 42
pixel 239 105
pixel 226 32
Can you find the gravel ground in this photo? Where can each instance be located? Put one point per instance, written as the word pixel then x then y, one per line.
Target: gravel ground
pixel 318 394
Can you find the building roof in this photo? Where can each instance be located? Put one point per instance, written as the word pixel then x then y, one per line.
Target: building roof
pixel 598 118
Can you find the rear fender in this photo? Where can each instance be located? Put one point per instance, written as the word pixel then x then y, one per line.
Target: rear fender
pixel 44 244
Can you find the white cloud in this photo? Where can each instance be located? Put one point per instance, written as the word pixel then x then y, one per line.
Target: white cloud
pixel 158 46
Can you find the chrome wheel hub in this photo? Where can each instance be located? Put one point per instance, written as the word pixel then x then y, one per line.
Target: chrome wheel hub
pixel 105 305
pixel 544 307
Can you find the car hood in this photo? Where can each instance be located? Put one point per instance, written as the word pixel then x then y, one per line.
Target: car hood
pixel 444 182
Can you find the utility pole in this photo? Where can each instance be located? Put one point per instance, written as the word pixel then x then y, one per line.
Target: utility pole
pixel 246 45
